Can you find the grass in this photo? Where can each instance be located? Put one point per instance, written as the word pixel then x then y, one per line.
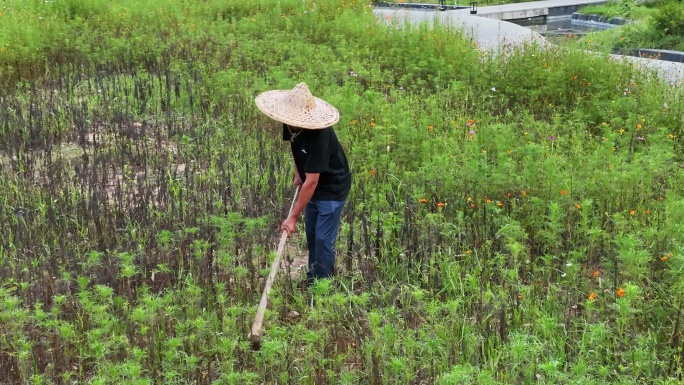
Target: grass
pixel 512 220
pixel 617 9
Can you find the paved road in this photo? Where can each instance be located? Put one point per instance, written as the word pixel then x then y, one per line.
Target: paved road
pixel 497 36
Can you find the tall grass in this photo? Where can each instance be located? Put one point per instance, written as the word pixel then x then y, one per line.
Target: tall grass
pixel 512 220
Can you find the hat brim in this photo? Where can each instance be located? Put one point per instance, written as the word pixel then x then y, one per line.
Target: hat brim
pixel 274 105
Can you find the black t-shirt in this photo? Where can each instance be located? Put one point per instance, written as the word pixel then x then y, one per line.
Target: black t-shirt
pixel 319 151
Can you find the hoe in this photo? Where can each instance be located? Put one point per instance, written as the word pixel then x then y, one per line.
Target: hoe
pixel 255 336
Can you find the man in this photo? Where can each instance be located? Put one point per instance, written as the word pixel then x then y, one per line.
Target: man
pixel 321 169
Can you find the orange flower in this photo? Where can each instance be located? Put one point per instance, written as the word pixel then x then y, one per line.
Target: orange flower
pixel 372 172
pixel 646 212
pixel 621 292
pixel 574 77
pixel 472 205
pixel 523 193
pixel 509 195
pixel 499 204
pixel 596 274
pixel 592 296
pixel 661 199
pixel 632 212
pixel 423 200
pixel 430 127
pixel 441 204
pixel 639 126
pixel 488 200
pixel 578 206
pixel 519 296
pixel 663 258
pixel 563 192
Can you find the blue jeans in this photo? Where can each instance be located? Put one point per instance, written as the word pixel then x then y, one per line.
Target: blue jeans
pixel 322 219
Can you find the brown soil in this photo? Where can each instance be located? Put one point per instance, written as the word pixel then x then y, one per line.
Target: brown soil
pixel 295 258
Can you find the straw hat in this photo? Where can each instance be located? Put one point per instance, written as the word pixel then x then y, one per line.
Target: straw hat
pixel 298 108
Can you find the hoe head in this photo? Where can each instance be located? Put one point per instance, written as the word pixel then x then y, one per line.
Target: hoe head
pixel 255 339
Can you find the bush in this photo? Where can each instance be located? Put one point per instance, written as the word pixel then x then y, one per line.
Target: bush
pixel 669 19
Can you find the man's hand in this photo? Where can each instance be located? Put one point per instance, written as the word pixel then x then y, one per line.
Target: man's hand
pixel 289 225
pixel 297 180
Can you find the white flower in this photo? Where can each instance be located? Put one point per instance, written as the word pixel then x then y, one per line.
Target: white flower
pixel 568 264
pixel 493 89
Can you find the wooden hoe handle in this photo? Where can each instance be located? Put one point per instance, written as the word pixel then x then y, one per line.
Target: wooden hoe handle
pixel 255 336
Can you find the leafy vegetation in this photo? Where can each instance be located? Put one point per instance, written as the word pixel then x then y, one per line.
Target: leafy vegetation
pixel 513 219
pixel 656 24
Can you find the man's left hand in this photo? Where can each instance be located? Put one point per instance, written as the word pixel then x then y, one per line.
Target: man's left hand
pixel 289 225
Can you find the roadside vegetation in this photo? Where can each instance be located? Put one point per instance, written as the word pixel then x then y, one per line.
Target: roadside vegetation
pixel 654 24
pixel 512 220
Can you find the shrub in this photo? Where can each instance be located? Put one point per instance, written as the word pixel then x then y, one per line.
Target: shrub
pixel 669 19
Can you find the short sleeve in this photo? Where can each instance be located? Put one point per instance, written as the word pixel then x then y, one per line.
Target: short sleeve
pixel 318 145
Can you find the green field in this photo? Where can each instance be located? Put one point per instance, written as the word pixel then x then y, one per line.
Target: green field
pixel 513 220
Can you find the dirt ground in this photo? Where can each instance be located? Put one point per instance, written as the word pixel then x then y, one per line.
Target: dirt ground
pixel 295 257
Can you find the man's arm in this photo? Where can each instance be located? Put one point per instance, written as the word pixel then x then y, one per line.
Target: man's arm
pixel 305 194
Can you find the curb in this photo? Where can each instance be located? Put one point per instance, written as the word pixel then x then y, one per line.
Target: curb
pixel 655 54
pixel 588 19
pixel 386 4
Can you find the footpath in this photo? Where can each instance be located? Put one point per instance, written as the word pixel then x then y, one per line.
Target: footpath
pixel 490 33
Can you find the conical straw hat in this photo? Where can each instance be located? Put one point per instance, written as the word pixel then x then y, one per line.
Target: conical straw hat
pixel 298 108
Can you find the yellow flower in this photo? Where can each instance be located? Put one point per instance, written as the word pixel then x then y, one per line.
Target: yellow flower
pixel 632 212
pixel 639 126
pixel 671 136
